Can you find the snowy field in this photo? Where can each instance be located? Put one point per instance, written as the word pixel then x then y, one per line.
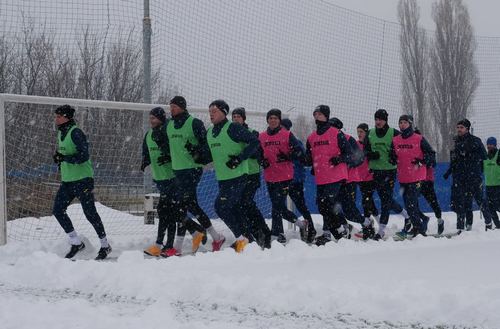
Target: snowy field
pixel 422 283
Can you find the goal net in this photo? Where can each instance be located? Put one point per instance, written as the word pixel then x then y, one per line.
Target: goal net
pixel 115 132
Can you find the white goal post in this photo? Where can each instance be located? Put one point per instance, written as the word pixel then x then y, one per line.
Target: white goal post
pixel 29 179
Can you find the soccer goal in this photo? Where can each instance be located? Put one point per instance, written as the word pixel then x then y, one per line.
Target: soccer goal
pixel 115 130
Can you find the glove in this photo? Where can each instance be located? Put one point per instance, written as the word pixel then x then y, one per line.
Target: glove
pixel 234 161
pixel 418 162
pixel 446 175
pixel 58 158
pixel 164 159
pixel 265 163
pixel 190 147
pixel 144 165
pixel 282 157
pixel 335 161
pixel 193 150
pixel 373 155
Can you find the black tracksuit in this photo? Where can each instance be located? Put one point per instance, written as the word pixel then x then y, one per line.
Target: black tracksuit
pixel 81 189
pixel 327 194
pixel 466 170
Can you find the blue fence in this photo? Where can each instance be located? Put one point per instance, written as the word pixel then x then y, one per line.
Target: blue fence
pixel 207 190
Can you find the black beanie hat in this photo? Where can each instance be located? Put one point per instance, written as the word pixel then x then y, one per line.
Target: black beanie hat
pixel 335 122
pixel 275 112
pixel 406 117
pixel 464 122
pixel 287 123
pixel 381 114
pixel 325 109
pixel 221 105
pixel 364 127
pixel 179 101
pixel 159 113
pixel 66 111
pixel 241 112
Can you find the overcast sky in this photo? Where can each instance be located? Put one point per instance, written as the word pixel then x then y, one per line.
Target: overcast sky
pixel 484 13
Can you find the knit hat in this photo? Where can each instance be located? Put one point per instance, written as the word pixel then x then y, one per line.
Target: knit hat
pixel 159 113
pixel 406 117
pixel 363 126
pixel 275 112
pixel 221 105
pixel 335 122
pixel 240 111
pixel 325 109
pixel 381 114
pixel 287 123
pixel 491 141
pixel 66 111
pixel 464 122
pixel 179 101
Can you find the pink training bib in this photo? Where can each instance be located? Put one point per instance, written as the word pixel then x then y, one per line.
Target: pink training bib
pixel 272 145
pixel 407 150
pixel 323 148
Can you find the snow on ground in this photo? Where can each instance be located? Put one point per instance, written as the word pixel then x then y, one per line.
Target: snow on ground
pixel 422 283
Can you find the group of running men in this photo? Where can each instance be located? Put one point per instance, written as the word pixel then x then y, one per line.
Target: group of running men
pixel 178 148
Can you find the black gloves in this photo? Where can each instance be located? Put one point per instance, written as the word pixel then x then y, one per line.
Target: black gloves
pixel 335 161
pixel 164 159
pixel 418 162
pixel 264 163
pixel 282 157
pixel 233 162
pixel 373 155
pixel 58 158
pixel 144 165
pixel 193 150
pixel 446 175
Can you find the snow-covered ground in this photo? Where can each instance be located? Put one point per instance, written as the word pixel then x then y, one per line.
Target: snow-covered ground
pixel 422 283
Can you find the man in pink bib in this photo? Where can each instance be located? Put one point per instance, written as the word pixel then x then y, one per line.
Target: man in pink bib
pixel 279 148
pixel 413 154
pixel 328 151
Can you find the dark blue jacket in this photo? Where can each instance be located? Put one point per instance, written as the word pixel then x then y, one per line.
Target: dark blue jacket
pixel 80 140
pixel 469 154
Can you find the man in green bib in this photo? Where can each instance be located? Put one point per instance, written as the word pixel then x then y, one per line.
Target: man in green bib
pixel 492 178
pixel 257 224
pixel 187 140
pixel 77 181
pixel 382 162
pixel 231 145
pixel 161 170
pixel 156 153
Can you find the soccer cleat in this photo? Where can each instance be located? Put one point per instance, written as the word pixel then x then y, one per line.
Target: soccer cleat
pixel 323 239
pixel 170 253
pixel 489 227
pixel 103 252
pixel 468 227
pixel 440 226
pixel 400 236
pixel 368 232
pixel 378 236
pixel 153 250
pixel 197 240
pixel 75 248
pixel 281 238
pixel 239 245
pixel 217 244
